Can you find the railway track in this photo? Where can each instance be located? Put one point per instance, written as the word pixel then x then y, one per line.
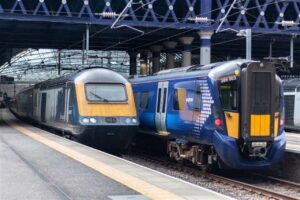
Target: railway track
pixel 261 191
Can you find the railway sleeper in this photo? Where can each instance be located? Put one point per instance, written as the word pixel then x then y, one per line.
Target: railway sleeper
pixel 200 155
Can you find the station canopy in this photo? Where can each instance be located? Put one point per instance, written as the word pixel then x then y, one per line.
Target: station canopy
pixel 42 64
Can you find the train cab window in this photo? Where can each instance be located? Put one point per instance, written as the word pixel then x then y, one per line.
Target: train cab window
pixel 105 92
pixel 144 103
pixel 228 95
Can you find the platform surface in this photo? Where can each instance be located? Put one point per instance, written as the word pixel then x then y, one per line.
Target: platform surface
pixel 293 142
pixel 35 164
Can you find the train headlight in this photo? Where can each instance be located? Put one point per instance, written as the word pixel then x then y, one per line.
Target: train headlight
pixel 127 120
pixel 93 120
pixel 85 120
pixel 134 120
pixel 259 144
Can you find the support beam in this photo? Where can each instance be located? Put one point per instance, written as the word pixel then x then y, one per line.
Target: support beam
pixel 144 63
pixel 109 59
pixel 87 49
pixel 156 49
pixel 59 62
pixel 248 44
pixel 187 51
pixel 132 63
pixel 271 49
pixel 292 52
pixel 83 48
pixel 205 47
pixel 170 62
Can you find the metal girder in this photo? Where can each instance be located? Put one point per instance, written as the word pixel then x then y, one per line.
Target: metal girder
pixel 260 15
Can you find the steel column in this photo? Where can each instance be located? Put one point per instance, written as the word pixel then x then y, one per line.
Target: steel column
pixel 292 52
pixel 156 49
pixel 87 49
pixel 59 62
pixel 205 47
pixel 132 62
pixel 144 63
pixel 186 53
pixel 170 62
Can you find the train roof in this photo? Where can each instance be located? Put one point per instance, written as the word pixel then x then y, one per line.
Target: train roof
pixel 291 84
pixel 90 74
pixel 215 69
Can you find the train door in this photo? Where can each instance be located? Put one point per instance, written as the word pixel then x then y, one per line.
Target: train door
pixel 43 107
pixel 161 107
pixel 297 107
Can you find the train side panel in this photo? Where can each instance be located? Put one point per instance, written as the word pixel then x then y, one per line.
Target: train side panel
pixel 145 99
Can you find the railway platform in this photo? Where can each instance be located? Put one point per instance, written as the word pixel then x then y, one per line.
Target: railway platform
pixel 36 164
pixel 293 142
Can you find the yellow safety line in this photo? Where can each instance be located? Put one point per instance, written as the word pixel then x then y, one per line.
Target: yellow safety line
pixel 132 182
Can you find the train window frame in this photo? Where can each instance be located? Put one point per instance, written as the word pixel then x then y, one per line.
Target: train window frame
pixel 191 104
pixel 175 99
pixel 198 101
pixel 141 103
pixel 105 102
pixel 236 103
pixel 158 100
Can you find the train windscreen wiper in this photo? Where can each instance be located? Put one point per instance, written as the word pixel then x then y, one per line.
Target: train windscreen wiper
pixel 99 97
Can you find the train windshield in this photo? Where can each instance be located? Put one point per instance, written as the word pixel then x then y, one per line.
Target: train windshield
pixel 105 92
pixel 228 95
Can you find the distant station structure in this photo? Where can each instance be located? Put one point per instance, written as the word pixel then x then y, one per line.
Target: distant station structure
pixel 202 30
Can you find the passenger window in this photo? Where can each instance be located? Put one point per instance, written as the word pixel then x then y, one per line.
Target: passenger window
pixel 158 100
pixel 179 99
pixel 197 99
pixel 144 103
pixel 175 100
pixel 228 95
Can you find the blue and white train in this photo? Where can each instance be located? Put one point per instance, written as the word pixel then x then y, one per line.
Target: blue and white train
pixel 227 113
pixel 292 104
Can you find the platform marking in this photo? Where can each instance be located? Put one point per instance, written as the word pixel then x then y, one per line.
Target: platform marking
pixel 132 182
pixel 61 194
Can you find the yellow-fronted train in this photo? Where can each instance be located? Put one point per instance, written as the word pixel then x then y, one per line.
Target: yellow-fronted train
pixel 227 113
pixel 93 106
